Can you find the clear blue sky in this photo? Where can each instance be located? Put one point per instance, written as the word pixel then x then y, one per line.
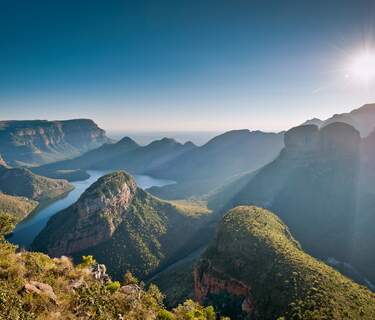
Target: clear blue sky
pixel 182 65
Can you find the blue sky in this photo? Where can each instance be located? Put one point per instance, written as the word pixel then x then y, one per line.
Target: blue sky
pixel 182 65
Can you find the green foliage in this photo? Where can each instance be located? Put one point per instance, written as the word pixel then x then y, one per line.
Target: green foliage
pixel 130 279
pixel 78 294
pixel 87 261
pixel 254 247
pixel 165 315
pixel 113 286
pixel 149 233
pixel 7 223
pixel 22 182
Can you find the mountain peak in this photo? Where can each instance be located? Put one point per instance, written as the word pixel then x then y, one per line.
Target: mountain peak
pixel 127 141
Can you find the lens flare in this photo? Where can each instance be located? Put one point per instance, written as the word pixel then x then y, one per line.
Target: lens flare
pixel 363 67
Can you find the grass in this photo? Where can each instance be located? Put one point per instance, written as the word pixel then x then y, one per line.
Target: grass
pixel 255 247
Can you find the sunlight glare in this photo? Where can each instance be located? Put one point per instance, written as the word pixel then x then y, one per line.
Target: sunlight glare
pixel 363 67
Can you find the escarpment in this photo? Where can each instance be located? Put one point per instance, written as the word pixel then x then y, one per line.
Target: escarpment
pixel 36 142
pixel 254 269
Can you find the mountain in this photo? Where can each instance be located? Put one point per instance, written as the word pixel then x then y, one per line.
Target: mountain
pixel 36 142
pixel 363 119
pixel 22 182
pixel 207 167
pixel 19 207
pixel 313 186
pixel 126 154
pixel 35 286
pixel 255 269
pixel 123 226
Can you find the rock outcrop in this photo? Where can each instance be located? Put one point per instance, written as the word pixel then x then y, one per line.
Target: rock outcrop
pixel 96 215
pixel 122 226
pixel 37 142
pixel 254 269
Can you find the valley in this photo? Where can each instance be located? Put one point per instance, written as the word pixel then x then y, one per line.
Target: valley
pixel 195 220
pixel 29 228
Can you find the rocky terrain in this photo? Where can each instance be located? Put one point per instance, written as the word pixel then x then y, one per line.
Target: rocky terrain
pixel 35 286
pixel 255 269
pixel 124 226
pixel 37 142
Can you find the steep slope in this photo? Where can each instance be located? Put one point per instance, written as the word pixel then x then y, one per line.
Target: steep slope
pixel 37 141
pixel 19 207
pixel 312 186
pixel 209 166
pixel 255 269
pixel 123 226
pixel 22 182
pixel 363 119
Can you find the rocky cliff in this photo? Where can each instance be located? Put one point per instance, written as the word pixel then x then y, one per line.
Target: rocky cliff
pixel 254 269
pixel 123 226
pixel 36 142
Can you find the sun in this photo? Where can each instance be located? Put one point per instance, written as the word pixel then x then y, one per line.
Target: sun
pixel 362 67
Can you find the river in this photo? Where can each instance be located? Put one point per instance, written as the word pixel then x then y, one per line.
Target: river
pixel 26 231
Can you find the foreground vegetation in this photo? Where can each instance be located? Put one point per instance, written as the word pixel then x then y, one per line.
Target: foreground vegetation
pixel 35 286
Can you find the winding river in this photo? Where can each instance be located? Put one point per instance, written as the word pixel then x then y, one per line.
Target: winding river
pixel 29 228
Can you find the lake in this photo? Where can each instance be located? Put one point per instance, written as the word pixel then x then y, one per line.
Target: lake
pixel 26 231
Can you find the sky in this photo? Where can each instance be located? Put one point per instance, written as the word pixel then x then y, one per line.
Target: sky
pixel 197 65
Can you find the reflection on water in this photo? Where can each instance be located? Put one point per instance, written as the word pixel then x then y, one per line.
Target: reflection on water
pixel 28 229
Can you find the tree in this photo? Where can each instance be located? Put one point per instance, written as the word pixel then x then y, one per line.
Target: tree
pixel 7 223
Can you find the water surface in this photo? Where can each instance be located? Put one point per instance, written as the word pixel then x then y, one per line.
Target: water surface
pixel 28 229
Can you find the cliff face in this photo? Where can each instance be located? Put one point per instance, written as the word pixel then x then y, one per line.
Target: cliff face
pixel 254 269
pixel 37 142
pixel 122 226
pixel 96 215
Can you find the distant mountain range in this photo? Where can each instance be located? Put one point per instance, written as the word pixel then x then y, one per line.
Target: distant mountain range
pixel 363 119
pixel 197 170
pixel 35 142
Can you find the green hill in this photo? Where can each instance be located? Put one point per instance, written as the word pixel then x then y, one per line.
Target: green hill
pixel 314 187
pixel 22 182
pixel 255 269
pixel 124 227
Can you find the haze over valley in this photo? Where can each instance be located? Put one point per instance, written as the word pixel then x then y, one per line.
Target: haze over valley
pixel 187 160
